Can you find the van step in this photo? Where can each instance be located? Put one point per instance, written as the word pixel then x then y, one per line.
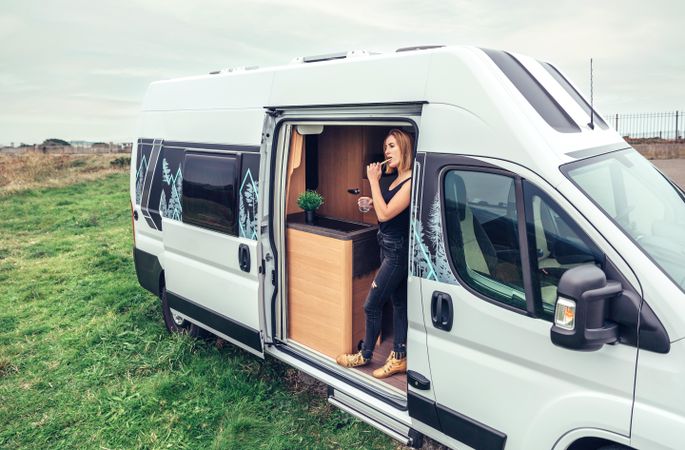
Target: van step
pixel 377 419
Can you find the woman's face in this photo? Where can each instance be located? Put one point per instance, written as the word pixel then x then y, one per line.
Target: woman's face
pixel 391 149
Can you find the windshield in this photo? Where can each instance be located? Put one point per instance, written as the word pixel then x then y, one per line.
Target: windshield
pixel 640 200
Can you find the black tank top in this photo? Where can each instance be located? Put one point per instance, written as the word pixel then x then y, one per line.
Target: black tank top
pixel 398 225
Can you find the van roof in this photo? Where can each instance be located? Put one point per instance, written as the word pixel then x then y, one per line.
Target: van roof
pixel 512 94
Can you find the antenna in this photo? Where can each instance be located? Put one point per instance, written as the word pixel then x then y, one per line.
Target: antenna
pixel 592 106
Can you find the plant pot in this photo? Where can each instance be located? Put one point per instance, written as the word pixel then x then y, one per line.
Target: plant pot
pixel 309 217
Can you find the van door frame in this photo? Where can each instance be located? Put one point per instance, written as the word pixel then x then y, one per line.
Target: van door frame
pixel 404 112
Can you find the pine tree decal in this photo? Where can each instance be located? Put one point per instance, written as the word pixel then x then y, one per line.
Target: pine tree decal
pixel 247 212
pixel 173 209
pixel 140 177
pixel 442 266
pixel 166 174
pixel 422 265
pixel 162 205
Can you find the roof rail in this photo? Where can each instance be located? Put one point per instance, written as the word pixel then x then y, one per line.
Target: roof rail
pixel 332 56
pixel 417 47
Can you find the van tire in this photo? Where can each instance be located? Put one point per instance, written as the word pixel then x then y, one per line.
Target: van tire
pixel 185 327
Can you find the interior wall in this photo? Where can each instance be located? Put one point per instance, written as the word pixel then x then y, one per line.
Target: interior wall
pixel 340 164
pixel 343 153
pixel 295 184
pixel 373 152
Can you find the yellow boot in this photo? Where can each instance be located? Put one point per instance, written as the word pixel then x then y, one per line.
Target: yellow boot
pixel 392 366
pixel 351 359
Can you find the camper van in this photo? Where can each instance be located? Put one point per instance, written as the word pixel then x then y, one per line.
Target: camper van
pixel 546 259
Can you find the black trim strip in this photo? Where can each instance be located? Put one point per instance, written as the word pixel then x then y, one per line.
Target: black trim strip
pixel 458 426
pixel 201 146
pixel 348 380
pixel 423 410
pixel 469 431
pixel 219 322
pixel 148 270
pixel 345 105
pixel 525 250
pixel 147 182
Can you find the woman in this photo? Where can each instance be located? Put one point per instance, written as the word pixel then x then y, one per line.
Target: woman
pixel 391 205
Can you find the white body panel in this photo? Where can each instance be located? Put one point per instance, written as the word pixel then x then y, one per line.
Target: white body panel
pixel 659 416
pixel 212 279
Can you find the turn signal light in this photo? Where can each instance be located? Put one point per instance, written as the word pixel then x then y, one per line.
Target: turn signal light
pixel 565 314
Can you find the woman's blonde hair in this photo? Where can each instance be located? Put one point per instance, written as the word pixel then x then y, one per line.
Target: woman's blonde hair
pixel 404 140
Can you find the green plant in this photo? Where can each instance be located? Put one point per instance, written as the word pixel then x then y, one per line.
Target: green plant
pixel 309 200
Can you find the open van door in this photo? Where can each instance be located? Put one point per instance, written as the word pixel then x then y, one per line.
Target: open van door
pixel 212 255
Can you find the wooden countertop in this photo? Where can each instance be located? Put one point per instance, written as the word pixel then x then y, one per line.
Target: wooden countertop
pixel 346 230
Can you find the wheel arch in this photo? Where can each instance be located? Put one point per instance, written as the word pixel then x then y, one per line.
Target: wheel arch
pixel 592 439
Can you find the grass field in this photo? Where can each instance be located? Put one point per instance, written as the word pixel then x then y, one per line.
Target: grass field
pixel 85 361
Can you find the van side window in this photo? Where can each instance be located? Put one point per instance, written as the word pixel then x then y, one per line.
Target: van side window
pixel 482 234
pixel 209 191
pixel 556 244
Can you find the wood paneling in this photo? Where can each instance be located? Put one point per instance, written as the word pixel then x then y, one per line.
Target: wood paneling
pixel 320 292
pixel 340 169
pixel 325 303
pixel 296 173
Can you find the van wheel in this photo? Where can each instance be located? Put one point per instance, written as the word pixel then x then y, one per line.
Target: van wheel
pixel 177 324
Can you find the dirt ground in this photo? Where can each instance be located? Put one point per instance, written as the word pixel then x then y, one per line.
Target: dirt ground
pixel 673 168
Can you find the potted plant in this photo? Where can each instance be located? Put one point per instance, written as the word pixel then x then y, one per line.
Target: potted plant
pixel 309 201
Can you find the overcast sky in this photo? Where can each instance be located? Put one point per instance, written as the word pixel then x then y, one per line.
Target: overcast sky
pixel 78 69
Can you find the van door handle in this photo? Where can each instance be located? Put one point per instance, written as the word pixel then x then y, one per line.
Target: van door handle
pixel 442 311
pixel 418 381
pixel 244 257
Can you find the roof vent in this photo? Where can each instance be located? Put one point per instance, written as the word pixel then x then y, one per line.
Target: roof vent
pixel 332 56
pixel 417 47
pixel 233 70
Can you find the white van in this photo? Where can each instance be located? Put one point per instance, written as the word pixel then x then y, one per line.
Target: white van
pixel 546 284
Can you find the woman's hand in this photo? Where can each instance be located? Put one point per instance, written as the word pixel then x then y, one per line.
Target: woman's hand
pixel 374 171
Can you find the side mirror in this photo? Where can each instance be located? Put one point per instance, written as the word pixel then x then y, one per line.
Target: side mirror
pixel 582 308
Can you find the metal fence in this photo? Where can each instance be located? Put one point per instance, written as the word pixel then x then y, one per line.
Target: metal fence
pixel 665 126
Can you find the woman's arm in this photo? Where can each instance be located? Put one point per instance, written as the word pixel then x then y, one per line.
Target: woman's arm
pixel 399 202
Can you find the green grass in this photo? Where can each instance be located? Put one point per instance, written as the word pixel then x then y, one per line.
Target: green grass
pixel 85 360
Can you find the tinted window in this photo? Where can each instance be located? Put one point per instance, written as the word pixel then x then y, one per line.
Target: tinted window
pixel 209 191
pixel 570 90
pixel 534 92
pixel 482 234
pixel 556 244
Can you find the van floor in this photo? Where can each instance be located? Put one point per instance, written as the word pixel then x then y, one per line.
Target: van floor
pixel 380 354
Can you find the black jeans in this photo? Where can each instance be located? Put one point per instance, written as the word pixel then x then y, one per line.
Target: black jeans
pixel 390 283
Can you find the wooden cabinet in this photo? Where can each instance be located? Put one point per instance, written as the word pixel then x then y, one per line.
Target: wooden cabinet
pixel 325 298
